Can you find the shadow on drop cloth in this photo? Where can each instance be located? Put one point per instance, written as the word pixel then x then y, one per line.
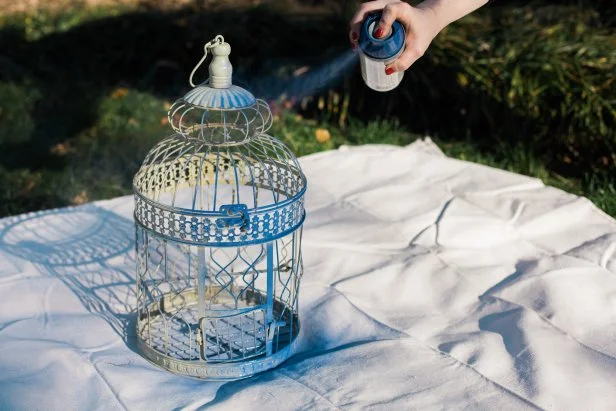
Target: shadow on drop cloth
pixel 90 250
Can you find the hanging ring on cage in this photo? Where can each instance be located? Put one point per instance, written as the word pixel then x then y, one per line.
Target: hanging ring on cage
pixel 210 44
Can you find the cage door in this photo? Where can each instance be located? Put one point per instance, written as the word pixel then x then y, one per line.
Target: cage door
pixel 229 337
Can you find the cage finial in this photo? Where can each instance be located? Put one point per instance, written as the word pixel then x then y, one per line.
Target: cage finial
pixel 220 68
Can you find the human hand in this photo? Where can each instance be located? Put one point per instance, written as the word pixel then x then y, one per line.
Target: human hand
pixel 421 26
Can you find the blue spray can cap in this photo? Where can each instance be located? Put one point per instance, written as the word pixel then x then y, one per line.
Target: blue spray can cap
pixel 381 48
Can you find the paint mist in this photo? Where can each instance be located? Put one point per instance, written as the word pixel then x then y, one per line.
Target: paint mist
pixel 306 82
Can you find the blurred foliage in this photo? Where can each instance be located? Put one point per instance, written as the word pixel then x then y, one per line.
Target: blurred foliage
pixel 16 122
pixel 551 66
pixel 125 112
pixel 38 25
pixel 527 87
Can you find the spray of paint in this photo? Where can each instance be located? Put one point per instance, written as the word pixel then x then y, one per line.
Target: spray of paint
pixel 307 83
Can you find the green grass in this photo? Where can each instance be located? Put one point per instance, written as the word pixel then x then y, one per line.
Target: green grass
pixel 37 25
pixel 100 162
pixel 84 95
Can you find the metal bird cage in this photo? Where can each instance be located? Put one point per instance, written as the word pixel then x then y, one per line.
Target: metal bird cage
pixel 219 208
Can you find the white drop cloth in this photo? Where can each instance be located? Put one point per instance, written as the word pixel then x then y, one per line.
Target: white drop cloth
pixel 430 283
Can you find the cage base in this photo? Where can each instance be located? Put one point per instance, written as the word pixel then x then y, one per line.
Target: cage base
pixel 170 335
pixel 216 371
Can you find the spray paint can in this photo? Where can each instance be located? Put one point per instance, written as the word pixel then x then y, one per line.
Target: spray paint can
pixel 376 53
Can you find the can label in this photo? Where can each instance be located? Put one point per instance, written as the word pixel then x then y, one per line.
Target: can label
pixel 373 73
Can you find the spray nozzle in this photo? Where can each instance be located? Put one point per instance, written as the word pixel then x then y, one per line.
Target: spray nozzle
pixel 372 23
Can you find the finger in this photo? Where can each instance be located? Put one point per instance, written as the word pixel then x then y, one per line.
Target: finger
pixel 362 13
pixel 408 57
pixel 353 36
pixel 391 13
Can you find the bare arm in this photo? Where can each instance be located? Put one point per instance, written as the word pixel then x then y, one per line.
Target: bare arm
pixel 448 11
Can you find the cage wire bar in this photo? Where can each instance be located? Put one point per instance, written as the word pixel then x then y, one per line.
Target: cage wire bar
pixel 219 208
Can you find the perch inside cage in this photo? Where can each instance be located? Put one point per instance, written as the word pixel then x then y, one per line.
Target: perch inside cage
pixel 219 207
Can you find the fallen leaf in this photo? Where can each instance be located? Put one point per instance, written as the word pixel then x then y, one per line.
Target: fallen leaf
pixel 29 186
pixel 80 198
pixel 323 135
pixel 119 93
pixel 462 80
pixel 483 46
pixel 62 149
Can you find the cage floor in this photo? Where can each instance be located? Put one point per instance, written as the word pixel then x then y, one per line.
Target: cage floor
pixel 173 327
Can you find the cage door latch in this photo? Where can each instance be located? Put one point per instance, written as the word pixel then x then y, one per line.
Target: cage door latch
pixel 235 215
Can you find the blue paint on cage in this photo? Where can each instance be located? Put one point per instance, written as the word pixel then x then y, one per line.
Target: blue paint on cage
pixel 236 216
pixel 219 240
pixel 208 97
pixel 198 227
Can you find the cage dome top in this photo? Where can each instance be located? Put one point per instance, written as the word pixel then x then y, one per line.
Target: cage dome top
pixel 220 179
pixel 217 111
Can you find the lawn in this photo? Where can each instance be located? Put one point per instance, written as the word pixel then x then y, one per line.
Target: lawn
pixel 85 90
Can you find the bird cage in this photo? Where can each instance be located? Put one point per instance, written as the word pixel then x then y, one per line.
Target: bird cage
pixel 219 207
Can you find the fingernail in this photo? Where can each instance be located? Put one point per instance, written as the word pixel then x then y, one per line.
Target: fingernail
pixel 354 36
pixel 389 70
pixel 378 33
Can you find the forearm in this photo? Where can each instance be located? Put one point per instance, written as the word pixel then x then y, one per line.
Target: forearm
pixel 448 11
